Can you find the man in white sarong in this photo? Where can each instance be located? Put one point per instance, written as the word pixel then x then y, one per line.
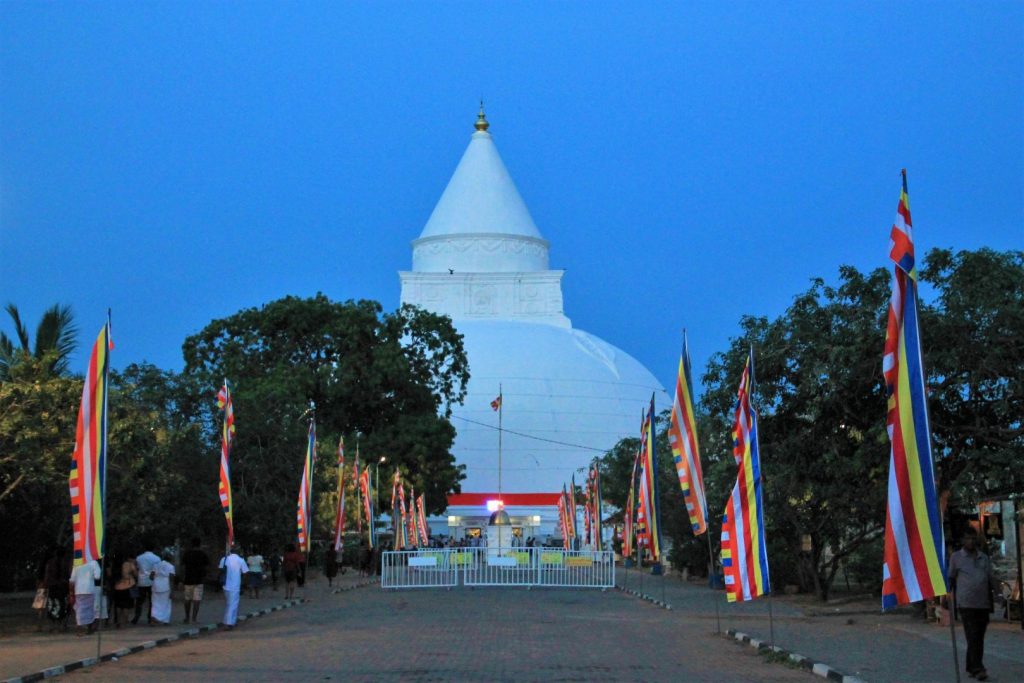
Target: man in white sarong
pixel 234 567
pixel 84 579
pixel 163 579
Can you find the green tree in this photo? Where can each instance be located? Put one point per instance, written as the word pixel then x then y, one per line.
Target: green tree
pixel 821 401
pixel 157 462
pixel 38 414
pixel 973 338
pixel 389 377
pixel 55 341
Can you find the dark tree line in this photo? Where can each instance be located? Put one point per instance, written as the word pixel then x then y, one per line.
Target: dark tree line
pixel 389 377
pixel 821 399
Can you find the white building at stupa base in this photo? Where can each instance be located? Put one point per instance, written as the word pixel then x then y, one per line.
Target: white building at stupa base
pixel 568 396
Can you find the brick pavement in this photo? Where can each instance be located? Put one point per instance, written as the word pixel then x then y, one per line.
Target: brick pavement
pixel 24 650
pixel 499 634
pixel 856 638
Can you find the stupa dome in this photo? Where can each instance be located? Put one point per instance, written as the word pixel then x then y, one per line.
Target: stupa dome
pixel 567 395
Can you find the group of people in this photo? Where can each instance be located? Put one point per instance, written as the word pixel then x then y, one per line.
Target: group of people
pixel 126 586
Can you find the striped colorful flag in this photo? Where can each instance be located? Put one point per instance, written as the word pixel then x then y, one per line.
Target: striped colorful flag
pixel 563 518
pixel 339 517
pixel 366 491
pixel 572 507
pixel 87 479
pixel 410 517
pixel 595 515
pixel 915 561
pixel 227 437
pixel 303 516
pixel 588 508
pixel 496 403
pixel 649 486
pixel 421 520
pixel 682 435
pixel 397 511
pixel 744 553
pixel 359 493
pixel 629 514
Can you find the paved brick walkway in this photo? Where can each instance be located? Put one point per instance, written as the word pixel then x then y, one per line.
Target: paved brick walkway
pixel 855 638
pixel 458 635
pixel 24 650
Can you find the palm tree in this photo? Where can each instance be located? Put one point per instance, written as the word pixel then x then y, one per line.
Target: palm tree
pixel 55 340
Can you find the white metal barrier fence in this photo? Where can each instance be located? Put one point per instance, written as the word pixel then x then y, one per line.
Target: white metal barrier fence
pixel 447 567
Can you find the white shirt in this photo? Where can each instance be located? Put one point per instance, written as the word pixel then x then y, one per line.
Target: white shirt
pixel 162 581
pixel 85 576
pixel 255 563
pixel 147 562
pixel 235 566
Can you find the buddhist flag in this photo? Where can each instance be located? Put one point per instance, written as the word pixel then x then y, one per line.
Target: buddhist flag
pixel 359 494
pixel 649 486
pixel 227 437
pixel 572 507
pixel 87 480
pixel 682 435
pixel 744 553
pixel 303 518
pixel 409 515
pixel 915 563
pixel 339 517
pixel 421 520
pixel 588 508
pixel 629 514
pixel 397 511
pixel 563 518
pixel 595 500
pixel 367 493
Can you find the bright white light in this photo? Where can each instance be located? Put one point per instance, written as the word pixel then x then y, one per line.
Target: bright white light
pixel 494 505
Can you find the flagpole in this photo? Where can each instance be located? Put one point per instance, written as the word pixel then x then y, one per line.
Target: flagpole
pixel 757 444
pixel 309 494
pixel 103 492
pixel 501 409
pixel 931 444
pixel 713 577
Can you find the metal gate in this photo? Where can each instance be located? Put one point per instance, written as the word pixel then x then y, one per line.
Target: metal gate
pixel 447 567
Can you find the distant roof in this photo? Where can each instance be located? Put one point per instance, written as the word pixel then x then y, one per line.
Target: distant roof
pixel 481 197
pixel 511 499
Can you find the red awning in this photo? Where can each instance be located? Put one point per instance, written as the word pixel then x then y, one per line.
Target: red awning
pixel 510 499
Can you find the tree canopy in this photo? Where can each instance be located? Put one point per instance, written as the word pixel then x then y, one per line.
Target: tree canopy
pixel 389 378
pixel 821 398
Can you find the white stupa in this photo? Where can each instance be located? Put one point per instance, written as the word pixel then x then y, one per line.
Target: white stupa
pixel 567 395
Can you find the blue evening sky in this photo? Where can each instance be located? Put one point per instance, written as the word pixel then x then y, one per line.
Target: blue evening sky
pixel 178 161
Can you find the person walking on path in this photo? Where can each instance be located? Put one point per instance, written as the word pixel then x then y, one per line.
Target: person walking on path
pixel 124 587
pixel 973 586
pixel 195 562
pixel 330 565
pixel 364 559
pixel 56 581
pixel 82 584
pixel 290 566
pixel 254 579
pixel 275 566
pixel 145 562
pixel 234 567
pixel 160 598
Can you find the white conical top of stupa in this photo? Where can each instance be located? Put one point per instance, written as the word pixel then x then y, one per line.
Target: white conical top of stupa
pixel 481 223
pixel 567 394
pixel 480 197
